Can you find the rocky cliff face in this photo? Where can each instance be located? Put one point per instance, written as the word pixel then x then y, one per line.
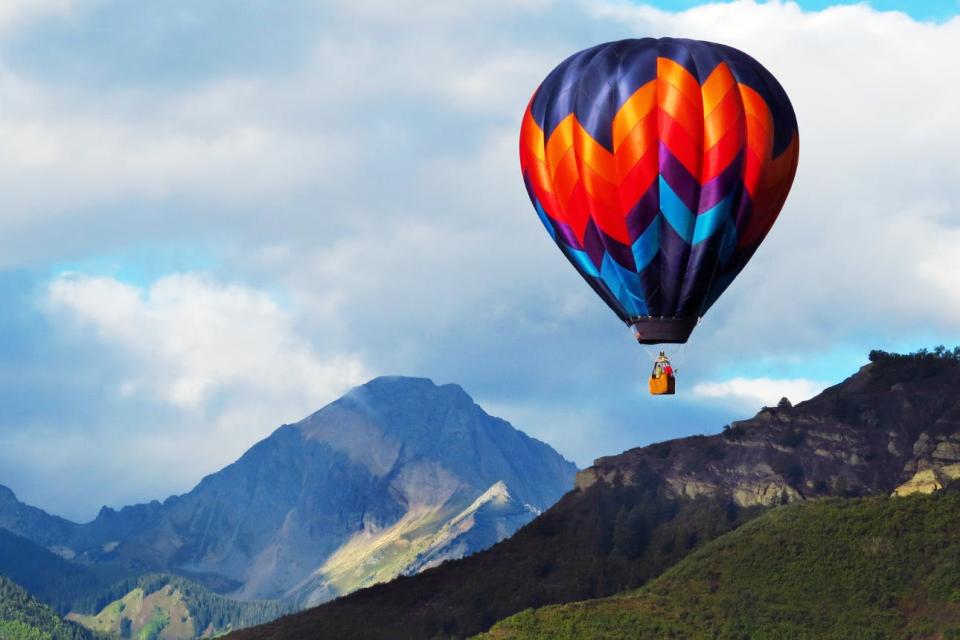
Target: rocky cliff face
pixel 488 520
pixel 358 492
pixel 893 426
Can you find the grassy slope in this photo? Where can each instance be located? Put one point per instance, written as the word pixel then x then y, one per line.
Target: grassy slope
pixel 371 559
pixel 172 607
pixel 868 568
pixel 23 617
pixel 161 612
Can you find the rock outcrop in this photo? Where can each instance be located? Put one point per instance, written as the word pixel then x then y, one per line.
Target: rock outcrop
pixel 929 480
pixel 894 426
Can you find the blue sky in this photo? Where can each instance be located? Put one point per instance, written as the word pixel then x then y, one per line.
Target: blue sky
pixel 219 217
pixel 937 10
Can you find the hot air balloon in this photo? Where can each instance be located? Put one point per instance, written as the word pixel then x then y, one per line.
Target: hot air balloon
pixel 658 166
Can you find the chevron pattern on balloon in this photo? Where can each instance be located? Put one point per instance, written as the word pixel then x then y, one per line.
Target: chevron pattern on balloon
pixel 658 166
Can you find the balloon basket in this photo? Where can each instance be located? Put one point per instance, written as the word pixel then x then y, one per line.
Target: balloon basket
pixel 663 386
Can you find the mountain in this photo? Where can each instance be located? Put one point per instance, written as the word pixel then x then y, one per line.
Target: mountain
pixel 23 617
pixel 874 567
pixel 170 607
pixel 381 482
pixel 890 427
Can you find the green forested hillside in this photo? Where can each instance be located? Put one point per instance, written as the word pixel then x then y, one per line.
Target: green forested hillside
pixel 23 617
pixel 171 607
pixel 100 599
pixel 873 568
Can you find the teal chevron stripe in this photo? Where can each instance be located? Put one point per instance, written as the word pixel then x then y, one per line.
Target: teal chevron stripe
pixel 625 285
pixel 645 247
pixel 707 223
pixel 581 260
pixel 692 228
pixel 676 213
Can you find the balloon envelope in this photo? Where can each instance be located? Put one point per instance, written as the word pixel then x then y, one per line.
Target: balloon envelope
pixel 658 166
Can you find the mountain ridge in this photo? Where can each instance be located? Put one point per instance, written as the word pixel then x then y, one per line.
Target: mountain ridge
pixel 633 515
pixel 390 449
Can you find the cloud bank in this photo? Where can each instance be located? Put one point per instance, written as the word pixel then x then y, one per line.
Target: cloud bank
pixel 355 185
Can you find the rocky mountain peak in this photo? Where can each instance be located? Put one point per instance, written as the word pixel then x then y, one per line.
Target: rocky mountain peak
pixel 409 387
pixel 397 474
pixel 392 422
pixel 375 422
pixel 403 397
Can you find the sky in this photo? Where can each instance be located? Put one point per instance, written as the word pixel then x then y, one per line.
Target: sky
pixel 220 216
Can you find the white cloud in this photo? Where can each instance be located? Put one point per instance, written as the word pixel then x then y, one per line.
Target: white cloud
pixel 937 268
pixel 194 338
pixel 751 393
pixel 392 119
pixel 199 147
